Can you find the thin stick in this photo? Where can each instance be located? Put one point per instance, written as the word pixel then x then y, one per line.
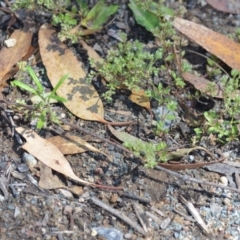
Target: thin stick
pixel 187 178
pixel 119 215
pixel 195 214
pixel 140 199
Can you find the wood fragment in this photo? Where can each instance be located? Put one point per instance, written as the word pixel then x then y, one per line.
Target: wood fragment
pixel 158 211
pixel 135 197
pixel 154 218
pixel 184 215
pixel 195 214
pixel 237 180
pixel 141 215
pixel 119 215
pixel 3 188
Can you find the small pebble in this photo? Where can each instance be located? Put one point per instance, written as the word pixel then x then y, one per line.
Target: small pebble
pixel 227 201
pixel 128 236
pixel 224 181
pixel 63 115
pixel 190 158
pixel 29 160
pixel 43 230
pixel 165 223
pixel 66 193
pixel 22 167
pixel 16 212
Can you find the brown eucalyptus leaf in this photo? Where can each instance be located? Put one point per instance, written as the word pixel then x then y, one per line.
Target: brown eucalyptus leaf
pixel 72 144
pixel 47 153
pixel 228 6
pixel 82 99
pixel 217 44
pixel 203 85
pixel 91 52
pixel 10 56
pixel 139 97
pixel 49 181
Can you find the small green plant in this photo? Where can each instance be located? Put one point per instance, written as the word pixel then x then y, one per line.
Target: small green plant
pixel 225 123
pixel 152 153
pixel 127 66
pixel 70 16
pixel 42 110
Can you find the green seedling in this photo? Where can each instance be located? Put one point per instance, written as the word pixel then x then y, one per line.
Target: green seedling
pixel 149 14
pixel 127 66
pixel 70 15
pixel 41 110
pixel 98 15
pixel 152 153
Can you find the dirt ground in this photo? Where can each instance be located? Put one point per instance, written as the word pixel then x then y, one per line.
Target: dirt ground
pixel 28 211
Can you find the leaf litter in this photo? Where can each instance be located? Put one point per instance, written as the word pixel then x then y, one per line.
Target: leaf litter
pixel 51 156
pixel 68 144
pixel 10 56
pixel 199 84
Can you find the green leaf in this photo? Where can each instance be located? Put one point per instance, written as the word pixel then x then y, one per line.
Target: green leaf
pixel 35 79
pixel 58 99
pixel 83 6
pixel 60 82
pixel 98 15
pixel 24 87
pixel 146 18
pixel 42 120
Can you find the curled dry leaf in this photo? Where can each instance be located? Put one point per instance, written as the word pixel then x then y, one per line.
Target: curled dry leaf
pixel 10 56
pixel 72 144
pixel 217 44
pixel 228 6
pixel 82 98
pixel 204 85
pixel 47 153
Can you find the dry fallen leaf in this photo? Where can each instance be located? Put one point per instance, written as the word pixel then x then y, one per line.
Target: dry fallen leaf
pixel 10 56
pixel 72 144
pixel 228 6
pixel 91 52
pixel 49 181
pixel 139 97
pixel 123 136
pixel 219 45
pixel 47 153
pixel 203 85
pixel 82 98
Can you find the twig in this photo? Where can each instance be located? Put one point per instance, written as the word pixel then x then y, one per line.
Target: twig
pixel 237 180
pixel 119 215
pixel 157 211
pixel 184 215
pixel 140 199
pixel 187 178
pixel 154 218
pixel 140 214
pixel 195 214
pixel 3 181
